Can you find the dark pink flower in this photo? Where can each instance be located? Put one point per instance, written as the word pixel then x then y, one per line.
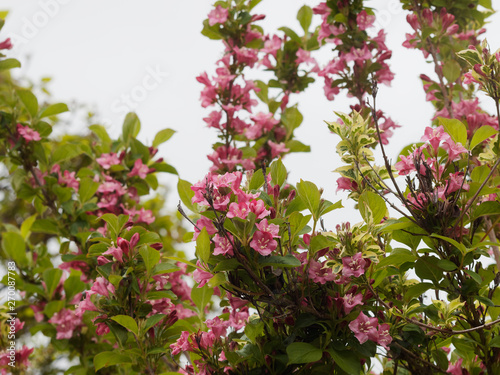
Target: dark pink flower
pixel 350 301
pixel 68 179
pixel 108 160
pixel 264 226
pixel 6 44
pixel 384 338
pixel 277 148
pixel 182 344
pixel 263 243
pixel 364 20
pixel 218 15
pixel 344 183
pixel 353 266
pixel 239 210
pixel 27 133
pixel 201 276
pixel 66 322
pixel 140 169
pixel 116 252
pixel 223 245
pixel 364 328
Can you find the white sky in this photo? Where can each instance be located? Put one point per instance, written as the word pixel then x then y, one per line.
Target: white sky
pixel 98 51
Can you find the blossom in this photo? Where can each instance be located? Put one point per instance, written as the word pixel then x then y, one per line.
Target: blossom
pixel 139 169
pixel 384 338
pixel 108 160
pixel 353 266
pixel 263 243
pixel 345 183
pixel 201 276
pixel 259 208
pixel 239 210
pixel 435 136
pixel 277 148
pixel 218 326
pixel 364 20
pixel 27 133
pixel 6 44
pixel 85 305
pixel 68 179
pixel 223 245
pixel 218 15
pixel 405 165
pixel 66 322
pixel 349 301
pixel 264 226
pixel 116 252
pixel 182 344
pixel 364 328
pixel 102 286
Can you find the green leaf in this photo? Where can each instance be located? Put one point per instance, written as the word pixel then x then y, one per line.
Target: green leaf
pixel 106 359
pixel 65 152
pixel 287 261
pixel 164 268
pixel 278 173
pixel 131 126
pixel 257 180
pixel 73 285
pixel 112 221
pixel 29 100
pixel 203 245
pixel 303 352
pixel 53 307
pixel 186 194
pixel 150 256
pixel 452 70
pixel 26 226
pixel 201 296
pixel 87 189
pixel 127 322
pixel 486 208
pixel 310 195
pixel 45 226
pixel 304 16
pixel 417 290
pixel 291 118
pixel 481 134
pixel 472 56
pixel 327 206
pixel 372 207
pixel 291 34
pixel 459 246
pixel 152 321
pixel 54 109
pixel 101 132
pixel 160 294
pixel 52 277
pixel 15 248
pixel 296 146
pixel 319 242
pixel 211 32
pixel 398 257
pixel 163 136
pixel 455 128
pixel 346 360
pixel 9 64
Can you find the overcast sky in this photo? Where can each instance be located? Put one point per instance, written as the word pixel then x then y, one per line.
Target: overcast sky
pixel 129 55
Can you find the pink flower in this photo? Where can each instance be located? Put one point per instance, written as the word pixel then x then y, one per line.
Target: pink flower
pixel 259 208
pixel 330 91
pixel 277 148
pixel 218 15
pixel 218 326
pixel 201 276
pixel 405 166
pixel 384 338
pixel 344 183
pixel 27 133
pixel 182 344
pixel 223 245
pixel 102 286
pixel 435 136
pixel 350 301
pixel 85 305
pixel 6 44
pixel 364 21
pixel 454 150
pixel 271 46
pixel 66 322
pixel 116 252
pixel 108 160
pixel 304 57
pixel 141 216
pixel 139 169
pixel 68 179
pixel 353 266
pixel 264 226
pixel 213 119
pixel 263 243
pixel 456 368
pixel 364 328
pixel 239 210
pixel 204 222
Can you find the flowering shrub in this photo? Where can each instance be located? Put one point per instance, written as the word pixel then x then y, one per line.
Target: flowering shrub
pixel 412 289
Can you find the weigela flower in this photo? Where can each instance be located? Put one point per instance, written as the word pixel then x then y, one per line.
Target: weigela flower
pixel 364 328
pixel 218 15
pixel 353 266
pixel 27 133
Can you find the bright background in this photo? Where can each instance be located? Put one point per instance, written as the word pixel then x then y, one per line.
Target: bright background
pixel 100 53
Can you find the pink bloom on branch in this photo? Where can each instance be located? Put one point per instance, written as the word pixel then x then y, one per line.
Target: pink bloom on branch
pixel 259 208
pixel 263 243
pixel 353 266
pixel 239 210
pixel 6 44
pixel 108 160
pixel 364 328
pixel 454 149
pixel 349 301
pixel 139 169
pixel 218 15
pixel 102 286
pixel 85 305
pixel 344 183
pixel 68 179
pixel 27 133
pixel 277 148
pixel 405 166
pixel 304 57
pixel 271 46
pixel 364 20
pixel 223 245
pixel 116 252
pixel 182 344
pixel 264 226
pixel 66 322
pixel 384 338
pixel 201 276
